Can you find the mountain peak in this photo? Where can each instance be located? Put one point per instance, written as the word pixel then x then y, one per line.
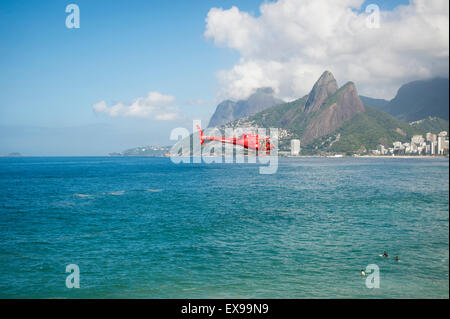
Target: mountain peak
pixel 326 74
pixel 325 86
pixel 341 106
pixel 228 111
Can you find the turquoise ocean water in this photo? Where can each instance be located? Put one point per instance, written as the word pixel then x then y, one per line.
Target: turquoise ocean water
pixel 148 228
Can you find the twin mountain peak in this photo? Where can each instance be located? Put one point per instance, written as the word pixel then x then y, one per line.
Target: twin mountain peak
pixel 333 119
pixel 326 108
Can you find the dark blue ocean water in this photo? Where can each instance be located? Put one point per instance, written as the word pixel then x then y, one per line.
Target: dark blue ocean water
pixel 148 228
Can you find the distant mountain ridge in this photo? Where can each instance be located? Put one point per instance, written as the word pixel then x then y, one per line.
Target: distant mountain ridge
pixel 228 110
pixel 378 103
pixel 417 100
pixel 157 151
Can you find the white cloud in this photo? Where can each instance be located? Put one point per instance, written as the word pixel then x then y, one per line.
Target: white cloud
pixel 155 106
pixel 293 41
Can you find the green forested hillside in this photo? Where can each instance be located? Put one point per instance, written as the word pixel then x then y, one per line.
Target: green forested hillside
pixel 431 125
pixel 372 128
pixel 365 131
pixel 288 115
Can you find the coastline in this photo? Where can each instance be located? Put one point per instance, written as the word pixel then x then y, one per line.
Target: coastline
pixel 209 156
pixel 403 156
pixel 369 156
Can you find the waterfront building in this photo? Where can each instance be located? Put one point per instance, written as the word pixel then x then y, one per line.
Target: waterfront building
pixel 430 137
pixel 432 148
pixel 417 140
pixel 295 147
pixel 442 144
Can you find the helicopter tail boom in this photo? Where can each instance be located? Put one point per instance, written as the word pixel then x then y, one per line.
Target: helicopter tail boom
pixel 202 137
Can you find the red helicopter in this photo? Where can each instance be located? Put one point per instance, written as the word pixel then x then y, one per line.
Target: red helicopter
pixel 248 141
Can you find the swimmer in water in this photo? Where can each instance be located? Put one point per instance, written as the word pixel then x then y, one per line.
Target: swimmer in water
pixel 385 254
pixel 362 272
pixel 396 258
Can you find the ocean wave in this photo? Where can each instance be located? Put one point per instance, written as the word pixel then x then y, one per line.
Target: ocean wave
pixel 154 190
pixel 118 193
pixel 81 195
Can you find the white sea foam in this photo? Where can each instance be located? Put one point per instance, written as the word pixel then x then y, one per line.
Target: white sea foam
pixel 81 195
pixel 118 193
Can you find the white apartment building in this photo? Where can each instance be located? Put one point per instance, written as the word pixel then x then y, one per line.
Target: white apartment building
pixel 295 147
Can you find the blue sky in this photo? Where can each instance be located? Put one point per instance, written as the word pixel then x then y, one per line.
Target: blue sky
pixel 51 76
